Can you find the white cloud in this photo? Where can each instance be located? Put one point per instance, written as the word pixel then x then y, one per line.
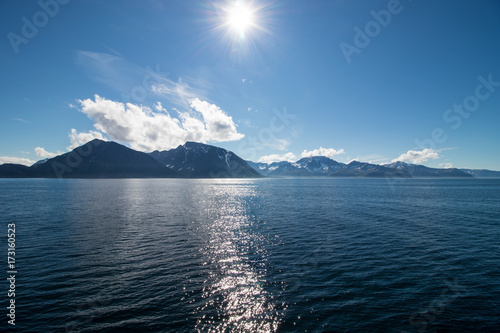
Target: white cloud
pixel 328 152
pixel 219 126
pixel 243 80
pixel 415 156
pixel 147 130
pixel 16 160
pixel 78 139
pixel 41 152
pixel 289 157
pixel 446 165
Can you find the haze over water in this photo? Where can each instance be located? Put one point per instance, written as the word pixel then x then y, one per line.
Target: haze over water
pixel 259 255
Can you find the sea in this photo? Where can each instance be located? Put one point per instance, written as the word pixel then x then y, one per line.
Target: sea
pixel 251 255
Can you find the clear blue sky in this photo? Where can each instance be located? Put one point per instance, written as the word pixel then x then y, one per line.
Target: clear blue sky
pixel 279 81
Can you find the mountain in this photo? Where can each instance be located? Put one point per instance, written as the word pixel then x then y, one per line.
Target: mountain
pixel 41 161
pixel 318 166
pixel 101 159
pixel 363 169
pixel 305 167
pixel 321 166
pixel 95 159
pixel 279 169
pixel 481 173
pixel 9 170
pixel 198 160
pixel 266 169
pixel 417 171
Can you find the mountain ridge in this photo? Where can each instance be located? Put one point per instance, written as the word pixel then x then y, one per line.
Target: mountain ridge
pixel 322 166
pixel 108 159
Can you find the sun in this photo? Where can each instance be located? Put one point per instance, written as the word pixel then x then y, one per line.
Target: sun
pixel 241 27
pixel 240 18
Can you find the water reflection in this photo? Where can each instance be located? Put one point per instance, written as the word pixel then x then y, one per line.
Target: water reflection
pixel 234 294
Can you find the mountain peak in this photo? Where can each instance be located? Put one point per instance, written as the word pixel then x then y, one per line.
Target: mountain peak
pixel 199 160
pixel 101 159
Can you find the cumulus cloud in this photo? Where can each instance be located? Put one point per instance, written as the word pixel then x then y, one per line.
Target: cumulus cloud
pixel 219 126
pixel 41 152
pixel 289 157
pixel 416 156
pixel 78 139
pixel 327 152
pixel 16 160
pixel 147 130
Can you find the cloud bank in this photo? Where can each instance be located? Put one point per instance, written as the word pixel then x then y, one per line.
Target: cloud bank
pixel 289 157
pixel 16 160
pixel 146 129
pixel 327 152
pixel 415 156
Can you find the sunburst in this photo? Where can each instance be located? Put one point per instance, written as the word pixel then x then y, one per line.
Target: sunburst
pixel 240 18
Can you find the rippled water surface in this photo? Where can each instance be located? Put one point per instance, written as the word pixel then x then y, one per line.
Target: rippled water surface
pixel 265 255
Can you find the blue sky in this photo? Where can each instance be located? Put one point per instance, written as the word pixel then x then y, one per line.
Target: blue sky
pixel 369 80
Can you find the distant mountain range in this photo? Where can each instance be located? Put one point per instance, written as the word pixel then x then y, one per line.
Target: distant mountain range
pixel 481 173
pixel 321 166
pixel 101 159
pixel 415 170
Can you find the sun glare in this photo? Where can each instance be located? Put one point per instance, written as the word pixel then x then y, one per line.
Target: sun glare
pixel 241 27
pixel 240 18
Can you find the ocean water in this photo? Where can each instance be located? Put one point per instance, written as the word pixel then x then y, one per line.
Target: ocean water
pixel 254 255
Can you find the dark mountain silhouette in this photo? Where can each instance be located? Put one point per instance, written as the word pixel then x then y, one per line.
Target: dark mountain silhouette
pixel 95 159
pixel 9 170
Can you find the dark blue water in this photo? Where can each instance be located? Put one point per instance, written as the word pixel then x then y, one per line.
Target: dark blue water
pixel 266 255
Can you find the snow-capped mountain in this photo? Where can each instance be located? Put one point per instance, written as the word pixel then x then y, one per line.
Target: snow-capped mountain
pixel 305 167
pixel 416 170
pixel 481 173
pixel 198 160
pixel 269 169
pixel 321 166
pixel 364 169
